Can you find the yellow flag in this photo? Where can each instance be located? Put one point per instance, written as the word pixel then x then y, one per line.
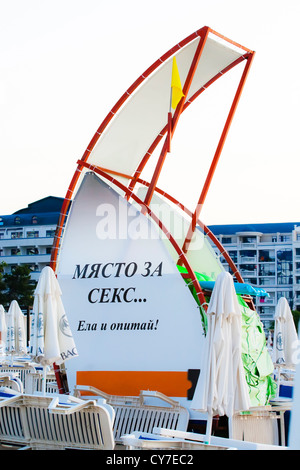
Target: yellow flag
pixel 176 85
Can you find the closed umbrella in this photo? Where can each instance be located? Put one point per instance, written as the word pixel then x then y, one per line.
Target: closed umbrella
pixel 16 333
pixel 285 342
pixel 51 339
pixel 285 335
pixel 222 388
pixel 3 330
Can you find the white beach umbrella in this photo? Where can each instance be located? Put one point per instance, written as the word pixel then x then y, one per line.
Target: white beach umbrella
pixel 3 330
pixel 16 333
pixel 222 388
pixel 285 335
pixel 51 339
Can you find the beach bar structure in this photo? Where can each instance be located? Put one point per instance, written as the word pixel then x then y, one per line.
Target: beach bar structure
pixel 131 259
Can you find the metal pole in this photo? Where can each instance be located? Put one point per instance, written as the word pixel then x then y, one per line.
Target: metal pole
pixel 215 160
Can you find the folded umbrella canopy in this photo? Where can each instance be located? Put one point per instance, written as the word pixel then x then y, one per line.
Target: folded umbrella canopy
pixel 222 387
pixel 51 339
pixel 16 334
pixel 285 336
pixel 3 330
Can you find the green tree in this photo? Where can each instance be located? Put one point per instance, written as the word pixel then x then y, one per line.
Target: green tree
pixel 3 287
pixel 20 286
pixel 296 316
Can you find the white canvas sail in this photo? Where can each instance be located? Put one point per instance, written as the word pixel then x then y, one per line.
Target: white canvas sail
pixel 136 125
pixel 128 307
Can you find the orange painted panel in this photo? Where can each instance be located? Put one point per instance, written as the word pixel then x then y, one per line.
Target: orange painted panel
pixel 173 384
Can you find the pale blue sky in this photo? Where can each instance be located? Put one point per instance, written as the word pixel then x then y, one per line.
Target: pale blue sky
pixel 64 64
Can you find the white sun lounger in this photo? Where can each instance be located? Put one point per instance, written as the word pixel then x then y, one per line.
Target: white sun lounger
pixel 55 422
pixel 152 441
pixel 10 380
pixel 22 371
pixel 141 413
pixel 163 439
pixel 11 423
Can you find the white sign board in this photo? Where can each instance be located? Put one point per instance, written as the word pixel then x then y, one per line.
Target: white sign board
pixel 129 308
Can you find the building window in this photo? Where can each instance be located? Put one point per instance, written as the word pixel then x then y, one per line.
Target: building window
pixel 248 256
pixel 266 255
pixel 16 234
pixel 284 280
pixel 33 234
pixel 33 267
pixel 250 280
pixel 288 294
pixel 267 281
pixel 285 238
pixel 248 269
pixel 50 233
pixel 226 240
pixel 32 251
pixel 233 255
pixel 248 239
pixel 15 251
pixel 267 269
pixel 286 255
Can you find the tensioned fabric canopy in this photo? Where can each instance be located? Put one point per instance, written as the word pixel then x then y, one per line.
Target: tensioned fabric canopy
pixel 136 125
pixel 131 131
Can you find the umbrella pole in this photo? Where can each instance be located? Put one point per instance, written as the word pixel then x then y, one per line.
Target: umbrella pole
pixel 44 380
pixel 208 428
pixel 278 381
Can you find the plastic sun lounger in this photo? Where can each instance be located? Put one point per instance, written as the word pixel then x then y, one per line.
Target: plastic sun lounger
pixel 11 423
pixel 12 381
pixel 31 376
pixel 55 422
pixel 160 434
pixel 148 441
pixel 141 413
pixel 21 370
pixel 256 425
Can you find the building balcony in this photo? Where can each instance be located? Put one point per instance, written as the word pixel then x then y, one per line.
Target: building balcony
pixel 266 301
pixel 247 272
pixel 248 259
pixel 248 245
pixel 267 281
pixel 25 259
pixel 25 242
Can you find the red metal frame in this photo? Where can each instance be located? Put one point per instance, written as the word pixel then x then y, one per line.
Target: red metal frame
pixel 128 191
pixel 183 104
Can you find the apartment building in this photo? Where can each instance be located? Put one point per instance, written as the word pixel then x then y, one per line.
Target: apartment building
pixel 26 237
pixel 267 256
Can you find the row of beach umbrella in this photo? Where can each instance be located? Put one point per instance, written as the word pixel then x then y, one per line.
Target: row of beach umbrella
pixel 50 334
pixel 222 387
